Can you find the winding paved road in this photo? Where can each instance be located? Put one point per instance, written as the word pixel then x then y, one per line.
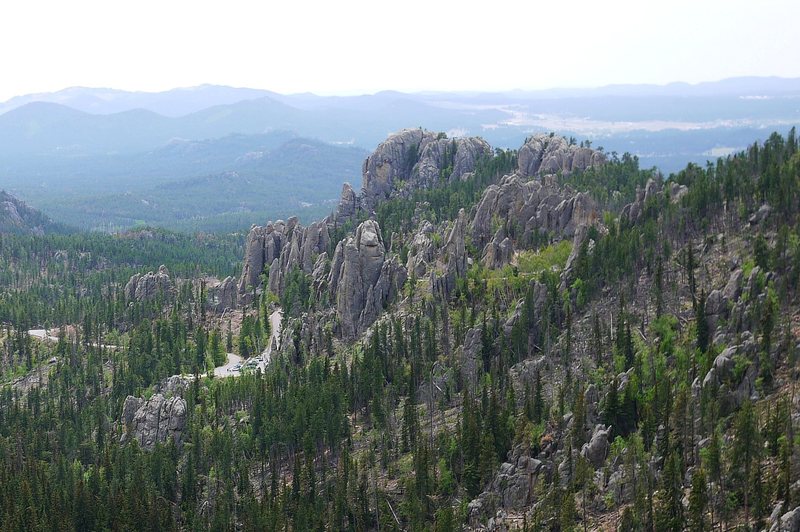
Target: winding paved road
pixel 263 359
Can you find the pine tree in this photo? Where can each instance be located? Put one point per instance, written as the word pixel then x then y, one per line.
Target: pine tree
pixel 669 509
pixel 629 351
pixel 701 323
pixel 698 502
pixel 487 457
pixel 690 267
pixel 658 287
pixel 745 452
pixel 569 511
pixel 579 421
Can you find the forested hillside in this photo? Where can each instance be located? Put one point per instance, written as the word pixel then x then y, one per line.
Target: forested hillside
pixel 544 338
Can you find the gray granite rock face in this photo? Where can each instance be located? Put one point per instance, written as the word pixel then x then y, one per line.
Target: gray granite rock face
pixel 471 363
pixel 596 450
pixel 788 522
pixel 412 159
pixel 224 295
pixel 153 421
pixel 499 251
pixel 362 279
pixel 348 205
pixel 513 487
pixel 280 247
pixel 263 246
pixel 148 286
pixel 530 207
pixel 544 154
pixel 448 159
pixel 452 257
pixel 421 251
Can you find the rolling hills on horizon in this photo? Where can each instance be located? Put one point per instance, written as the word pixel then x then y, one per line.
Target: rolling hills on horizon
pixel 97 158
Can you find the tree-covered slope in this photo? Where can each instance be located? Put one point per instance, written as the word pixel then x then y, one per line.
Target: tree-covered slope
pixel 547 338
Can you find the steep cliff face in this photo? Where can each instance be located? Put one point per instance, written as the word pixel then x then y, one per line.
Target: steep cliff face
pixel 223 294
pixel 277 248
pixel 155 420
pixel 508 215
pixel 264 245
pixel 147 287
pixel 304 246
pixel 546 154
pixel 413 159
pixel 363 279
pixel 516 209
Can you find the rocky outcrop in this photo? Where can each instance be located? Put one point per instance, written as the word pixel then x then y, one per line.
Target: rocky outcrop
pixel 280 247
pixel 263 246
pixel 499 251
pixel 734 386
pixel 223 295
pixel 413 159
pixel 174 385
pixel 320 273
pixel 788 522
pixel 148 286
pixel 470 361
pixel 452 258
pixel 348 206
pixel 448 159
pixel 761 214
pixel 513 487
pixel 677 192
pixel 153 421
pixel 363 279
pixel 421 251
pixel 634 211
pixel 528 207
pixel 720 302
pixel 596 450
pixel 550 154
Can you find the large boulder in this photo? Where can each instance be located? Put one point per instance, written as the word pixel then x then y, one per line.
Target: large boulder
pixel 596 450
pixel 223 295
pixel 153 421
pixel 788 522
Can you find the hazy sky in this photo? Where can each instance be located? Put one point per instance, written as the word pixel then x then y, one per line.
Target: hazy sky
pixel 352 46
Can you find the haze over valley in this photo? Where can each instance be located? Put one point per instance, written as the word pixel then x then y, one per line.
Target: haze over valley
pixel 400 266
pixel 107 159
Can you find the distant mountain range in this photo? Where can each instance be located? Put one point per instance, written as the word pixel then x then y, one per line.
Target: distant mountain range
pixel 99 158
pixel 215 184
pixel 183 101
